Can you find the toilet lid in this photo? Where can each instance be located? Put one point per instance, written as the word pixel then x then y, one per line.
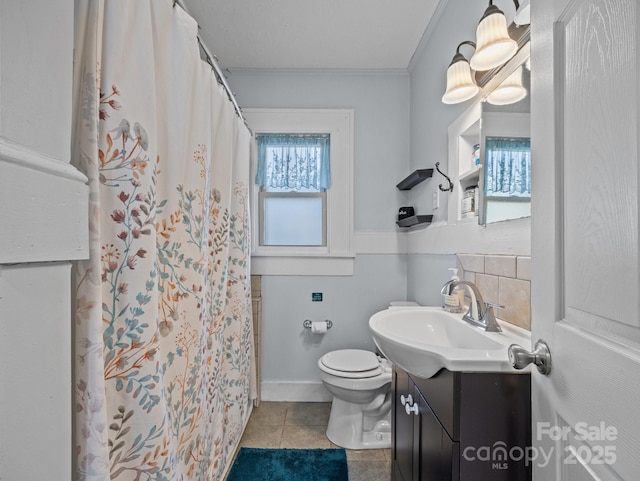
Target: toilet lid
pixel 351 360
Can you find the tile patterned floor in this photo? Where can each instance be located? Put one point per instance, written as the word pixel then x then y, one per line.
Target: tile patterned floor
pixel 303 425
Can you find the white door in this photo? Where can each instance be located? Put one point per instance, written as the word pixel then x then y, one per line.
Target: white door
pixel 586 277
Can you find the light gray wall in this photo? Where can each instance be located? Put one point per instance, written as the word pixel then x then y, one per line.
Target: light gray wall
pixel 430 118
pixel 426 273
pixel 401 125
pixel 380 100
pixel 290 352
pixel 381 104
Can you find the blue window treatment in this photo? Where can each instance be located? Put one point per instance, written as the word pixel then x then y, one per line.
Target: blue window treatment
pixel 293 161
pixel 508 167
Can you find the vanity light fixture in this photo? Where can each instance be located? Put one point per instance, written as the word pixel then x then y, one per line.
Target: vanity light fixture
pixel 494 45
pixel 510 91
pixel 493 48
pixel 461 85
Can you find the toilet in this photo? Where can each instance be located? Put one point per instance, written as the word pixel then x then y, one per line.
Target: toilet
pixel 360 382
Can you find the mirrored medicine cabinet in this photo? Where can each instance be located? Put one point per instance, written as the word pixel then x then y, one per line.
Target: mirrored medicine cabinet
pixel 489 150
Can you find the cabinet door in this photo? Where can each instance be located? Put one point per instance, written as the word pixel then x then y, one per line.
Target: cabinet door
pixel 402 428
pixel 450 458
pixel 437 454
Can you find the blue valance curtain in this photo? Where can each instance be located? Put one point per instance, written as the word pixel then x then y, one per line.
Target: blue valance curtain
pixel 508 167
pixel 293 161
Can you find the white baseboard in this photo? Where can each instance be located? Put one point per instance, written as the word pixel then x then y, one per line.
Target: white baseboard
pixel 295 392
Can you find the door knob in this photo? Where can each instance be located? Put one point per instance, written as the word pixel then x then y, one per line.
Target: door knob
pixel 541 357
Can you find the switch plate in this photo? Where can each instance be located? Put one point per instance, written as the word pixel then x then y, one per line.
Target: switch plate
pixel 435 200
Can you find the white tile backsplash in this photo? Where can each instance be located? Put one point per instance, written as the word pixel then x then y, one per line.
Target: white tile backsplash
pixel 472 262
pixel 523 268
pixel 504 266
pixel 504 280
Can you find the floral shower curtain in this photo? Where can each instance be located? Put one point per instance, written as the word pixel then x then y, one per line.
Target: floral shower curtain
pixel 164 370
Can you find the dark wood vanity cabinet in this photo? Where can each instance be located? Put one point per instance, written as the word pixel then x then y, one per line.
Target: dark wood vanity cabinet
pixel 402 424
pixel 459 426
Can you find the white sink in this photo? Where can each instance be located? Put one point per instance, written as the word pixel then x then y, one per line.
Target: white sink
pixel 423 340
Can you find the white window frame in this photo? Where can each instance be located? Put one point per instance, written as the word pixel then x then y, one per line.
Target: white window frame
pixel 337 257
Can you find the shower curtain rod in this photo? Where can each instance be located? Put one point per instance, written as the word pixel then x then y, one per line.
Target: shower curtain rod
pixel 213 61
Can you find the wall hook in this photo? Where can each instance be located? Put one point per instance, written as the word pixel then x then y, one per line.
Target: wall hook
pixel 450 188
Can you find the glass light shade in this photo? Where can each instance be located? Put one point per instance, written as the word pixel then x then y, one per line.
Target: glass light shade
pixel 494 46
pixel 510 91
pixel 460 83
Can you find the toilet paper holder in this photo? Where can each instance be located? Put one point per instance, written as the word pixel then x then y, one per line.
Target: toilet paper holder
pixel 307 324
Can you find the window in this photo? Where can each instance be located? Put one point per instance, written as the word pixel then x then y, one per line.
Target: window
pixel 302 201
pixel 293 219
pixel 508 167
pixel 293 174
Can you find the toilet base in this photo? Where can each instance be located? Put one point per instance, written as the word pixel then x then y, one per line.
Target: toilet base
pixel 352 427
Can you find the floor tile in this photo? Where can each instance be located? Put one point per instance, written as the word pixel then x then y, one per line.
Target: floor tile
pixel 369 471
pixel 312 437
pixel 387 455
pixel 308 414
pixel 269 414
pixel 304 425
pixel 257 436
pixel 366 455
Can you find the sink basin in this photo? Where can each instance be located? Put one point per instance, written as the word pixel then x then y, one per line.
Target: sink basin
pixel 423 340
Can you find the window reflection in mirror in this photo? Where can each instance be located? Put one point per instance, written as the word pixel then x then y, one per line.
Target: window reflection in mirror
pixel 507 178
pixel 505 150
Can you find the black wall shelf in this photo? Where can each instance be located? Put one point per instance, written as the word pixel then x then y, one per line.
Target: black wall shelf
pixel 414 178
pixel 415 220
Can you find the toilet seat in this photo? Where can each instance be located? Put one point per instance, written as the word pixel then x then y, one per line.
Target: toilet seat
pixel 351 363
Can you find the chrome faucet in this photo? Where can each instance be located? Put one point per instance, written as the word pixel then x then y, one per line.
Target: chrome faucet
pixel 480 313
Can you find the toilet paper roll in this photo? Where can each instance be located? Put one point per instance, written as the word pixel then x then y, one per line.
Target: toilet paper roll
pixel 319 327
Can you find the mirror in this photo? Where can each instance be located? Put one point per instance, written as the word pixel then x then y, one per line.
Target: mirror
pixel 489 148
pixel 505 147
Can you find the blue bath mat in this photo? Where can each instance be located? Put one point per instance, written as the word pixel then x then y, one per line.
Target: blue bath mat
pixel 254 464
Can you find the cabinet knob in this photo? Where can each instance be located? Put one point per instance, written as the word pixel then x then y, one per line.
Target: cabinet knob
pixel 406 400
pixel 411 409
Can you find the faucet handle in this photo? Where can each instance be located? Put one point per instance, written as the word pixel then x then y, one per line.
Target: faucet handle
pixel 489 318
pixel 493 304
